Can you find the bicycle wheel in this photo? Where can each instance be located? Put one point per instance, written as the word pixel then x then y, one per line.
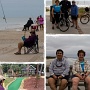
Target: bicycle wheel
pixel 64 25
pixel 84 19
pixel 69 18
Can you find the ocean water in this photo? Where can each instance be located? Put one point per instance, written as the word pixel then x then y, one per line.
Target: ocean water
pixel 17 12
pixel 80 3
pixel 13 23
pixel 70 60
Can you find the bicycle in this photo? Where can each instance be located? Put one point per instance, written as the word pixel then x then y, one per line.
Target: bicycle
pixel 69 18
pixel 64 24
pixel 84 19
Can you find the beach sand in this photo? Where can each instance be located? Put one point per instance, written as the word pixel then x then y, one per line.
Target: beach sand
pixel 8 46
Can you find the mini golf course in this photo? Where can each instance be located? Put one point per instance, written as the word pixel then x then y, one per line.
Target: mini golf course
pixel 16 84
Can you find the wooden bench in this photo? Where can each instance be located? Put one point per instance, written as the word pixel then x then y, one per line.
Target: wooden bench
pixel 69 85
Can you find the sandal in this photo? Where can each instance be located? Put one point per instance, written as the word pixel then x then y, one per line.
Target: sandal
pixel 17 53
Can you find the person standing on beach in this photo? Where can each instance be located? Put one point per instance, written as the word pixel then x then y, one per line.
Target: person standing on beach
pixel 58 69
pixel 38 23
pixel 81 70
pixel 56 10
pixel 1 82
pixel 41 22
pixel 74 14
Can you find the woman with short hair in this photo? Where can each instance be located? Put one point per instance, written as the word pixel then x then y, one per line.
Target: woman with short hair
pixel 81 70
pixel 56 10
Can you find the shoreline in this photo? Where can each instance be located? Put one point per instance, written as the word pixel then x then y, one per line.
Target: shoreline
pixel 12 29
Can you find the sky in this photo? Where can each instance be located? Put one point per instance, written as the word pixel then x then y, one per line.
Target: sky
pixel 22 8
pixel 69 44
pixel 80 3
pixel 70 0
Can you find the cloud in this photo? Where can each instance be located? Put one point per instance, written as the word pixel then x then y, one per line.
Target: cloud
pixel 22 8
pixel 69 44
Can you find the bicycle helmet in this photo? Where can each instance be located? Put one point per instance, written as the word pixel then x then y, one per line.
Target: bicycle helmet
pixel 86 9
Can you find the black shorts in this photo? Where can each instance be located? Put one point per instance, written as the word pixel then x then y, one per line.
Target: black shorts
pixel 66 77
pixel 74 17
pixel 56 18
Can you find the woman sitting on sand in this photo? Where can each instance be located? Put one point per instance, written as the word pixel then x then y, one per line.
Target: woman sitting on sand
pixel 28 42
pixel 81 71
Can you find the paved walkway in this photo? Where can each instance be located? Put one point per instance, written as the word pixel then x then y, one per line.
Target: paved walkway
pixel 84 28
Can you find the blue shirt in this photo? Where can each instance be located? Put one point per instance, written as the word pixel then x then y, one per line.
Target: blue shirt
pixel 82 66
pixel 74 10
pixel 57 8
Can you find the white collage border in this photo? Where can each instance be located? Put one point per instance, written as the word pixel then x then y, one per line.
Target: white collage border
pixel 44 54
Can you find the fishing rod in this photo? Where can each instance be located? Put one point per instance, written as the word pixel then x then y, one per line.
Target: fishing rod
pixel 3 12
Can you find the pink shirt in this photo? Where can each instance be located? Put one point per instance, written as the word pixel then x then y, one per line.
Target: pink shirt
pixel 41 20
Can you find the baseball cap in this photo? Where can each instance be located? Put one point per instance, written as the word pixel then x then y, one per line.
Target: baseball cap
pixel 2 78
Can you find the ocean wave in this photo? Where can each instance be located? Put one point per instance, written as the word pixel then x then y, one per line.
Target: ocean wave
pixel 70 60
